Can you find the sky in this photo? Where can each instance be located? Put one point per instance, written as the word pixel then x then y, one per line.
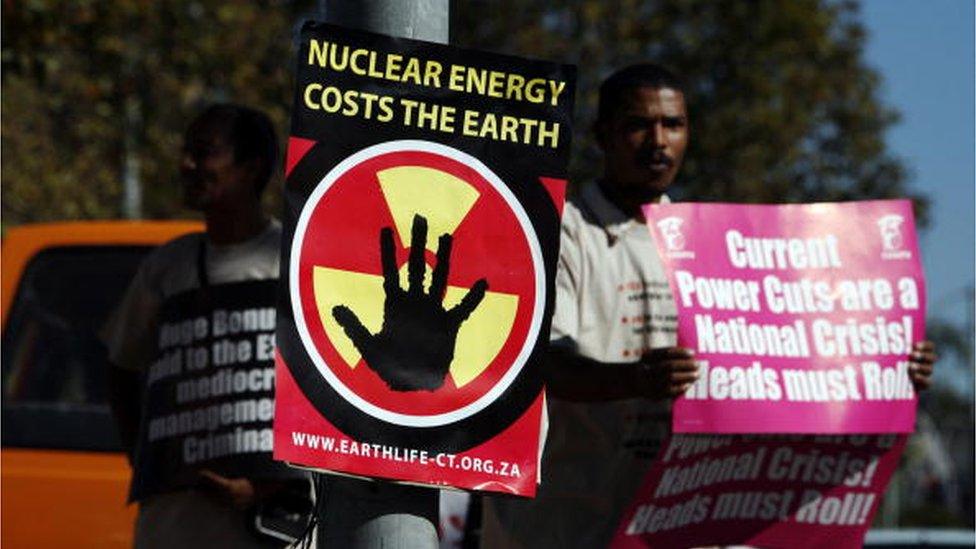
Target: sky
pixel 924 53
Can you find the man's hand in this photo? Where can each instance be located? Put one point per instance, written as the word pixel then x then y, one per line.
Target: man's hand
pixel 921 364
pixel 666 372
pixel 415 346
pixel 238 492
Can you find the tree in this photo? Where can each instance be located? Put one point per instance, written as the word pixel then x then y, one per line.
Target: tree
pixel 89 85
pixel 783 107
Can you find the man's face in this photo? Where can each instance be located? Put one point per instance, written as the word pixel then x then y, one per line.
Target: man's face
pixel 211 177
pixel 644 142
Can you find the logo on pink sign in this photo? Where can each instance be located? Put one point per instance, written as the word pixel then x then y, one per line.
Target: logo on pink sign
pixel 674 240
pixel 802 316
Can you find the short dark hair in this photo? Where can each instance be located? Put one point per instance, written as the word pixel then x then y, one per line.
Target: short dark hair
pixel 640 75
pixel 251 133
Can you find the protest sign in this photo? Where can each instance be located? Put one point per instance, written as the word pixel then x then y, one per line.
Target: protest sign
pixel 423 194
pixel 208 396
pixel 761 490
pixel 802 316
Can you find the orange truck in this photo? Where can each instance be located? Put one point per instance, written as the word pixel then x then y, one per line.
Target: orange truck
pixel 63 477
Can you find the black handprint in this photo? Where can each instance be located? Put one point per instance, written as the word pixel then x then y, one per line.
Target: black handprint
pixel 415 346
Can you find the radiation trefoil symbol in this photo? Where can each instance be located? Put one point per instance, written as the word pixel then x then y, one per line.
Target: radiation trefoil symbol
pixel 421 283
pixel 424 202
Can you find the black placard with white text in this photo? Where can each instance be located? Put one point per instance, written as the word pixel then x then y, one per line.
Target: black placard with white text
pixel 208 398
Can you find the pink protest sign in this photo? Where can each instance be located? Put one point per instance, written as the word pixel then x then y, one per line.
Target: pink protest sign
pixel 786 491
pixel 802 317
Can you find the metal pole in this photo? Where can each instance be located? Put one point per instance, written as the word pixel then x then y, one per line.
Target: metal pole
pixel 364 514
pixel 419 19
pixel 131 178
pixel 131 166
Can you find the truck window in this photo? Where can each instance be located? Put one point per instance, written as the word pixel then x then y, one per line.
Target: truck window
pixel 53 364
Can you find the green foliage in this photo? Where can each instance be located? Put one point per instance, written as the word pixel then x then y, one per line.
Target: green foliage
pixel 783 108
pixel 951 411
pixel 88 83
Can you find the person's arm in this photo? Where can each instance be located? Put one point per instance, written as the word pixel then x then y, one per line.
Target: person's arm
pixel 660 374
pixel 130 339
pixel 124 392
pixel 921 364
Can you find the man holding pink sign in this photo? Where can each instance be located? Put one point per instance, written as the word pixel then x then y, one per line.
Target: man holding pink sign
pixel 615 360
pixel 802 318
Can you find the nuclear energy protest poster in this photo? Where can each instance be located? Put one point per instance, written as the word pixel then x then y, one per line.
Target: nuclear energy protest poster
pixel 423 195
pixel 802 317
pixel 761 491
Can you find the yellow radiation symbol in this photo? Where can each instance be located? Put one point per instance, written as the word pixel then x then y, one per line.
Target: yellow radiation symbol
pixel 444 200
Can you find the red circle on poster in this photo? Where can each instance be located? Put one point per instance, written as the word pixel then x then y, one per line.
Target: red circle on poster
pixel 336 262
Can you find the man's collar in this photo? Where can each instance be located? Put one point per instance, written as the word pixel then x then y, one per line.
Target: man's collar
pixel 607 214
